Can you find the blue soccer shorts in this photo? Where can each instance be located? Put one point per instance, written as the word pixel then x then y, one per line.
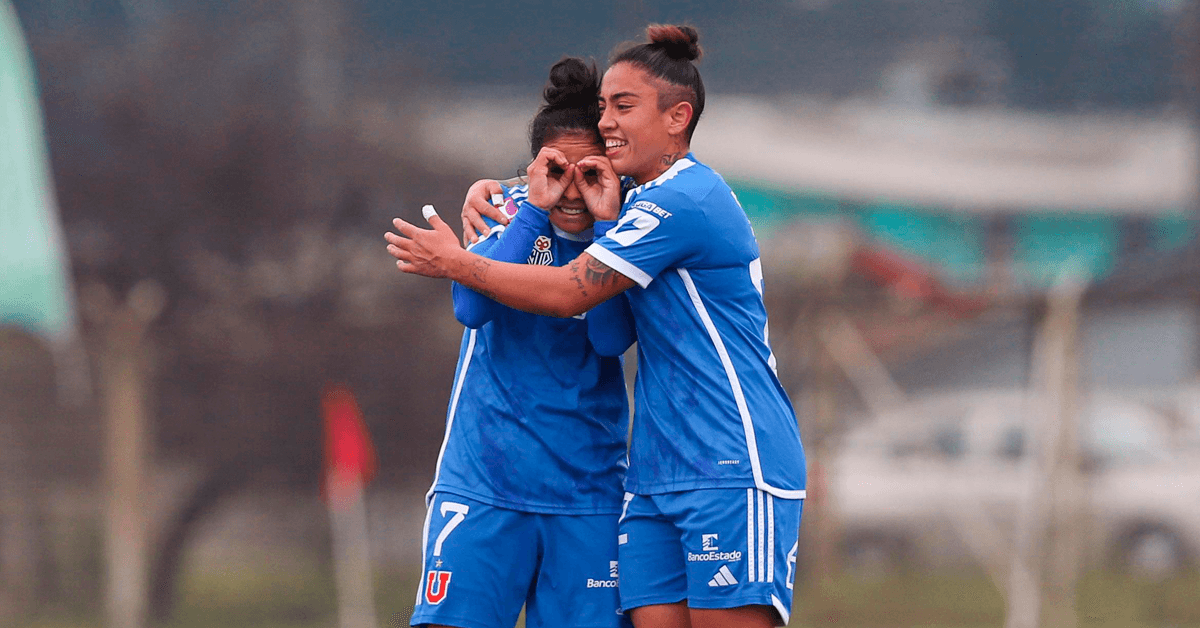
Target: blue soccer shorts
pixel 483 563
pixel 715 548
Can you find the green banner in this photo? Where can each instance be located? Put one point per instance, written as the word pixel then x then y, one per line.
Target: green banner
pixel 35 290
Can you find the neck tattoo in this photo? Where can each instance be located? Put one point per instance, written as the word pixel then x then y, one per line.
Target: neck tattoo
pixel 666 161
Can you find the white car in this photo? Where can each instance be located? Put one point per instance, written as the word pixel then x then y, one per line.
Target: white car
pixel 946 473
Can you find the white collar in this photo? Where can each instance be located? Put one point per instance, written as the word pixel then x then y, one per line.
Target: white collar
pixel 675 169
pixel 582 236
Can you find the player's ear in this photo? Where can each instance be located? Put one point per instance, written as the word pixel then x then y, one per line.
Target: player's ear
pixel 678 116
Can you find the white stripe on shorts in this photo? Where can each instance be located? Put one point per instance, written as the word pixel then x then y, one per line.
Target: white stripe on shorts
pixel 424 544
pixel 762 573
pixel 750 533
pixel 770 538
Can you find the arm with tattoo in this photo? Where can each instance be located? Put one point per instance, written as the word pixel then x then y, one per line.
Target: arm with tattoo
pixel 597 273
pixel 560 291
pixel 474 308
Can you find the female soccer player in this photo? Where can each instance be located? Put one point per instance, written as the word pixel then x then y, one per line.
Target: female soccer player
pixel 709 530
pixel 524 504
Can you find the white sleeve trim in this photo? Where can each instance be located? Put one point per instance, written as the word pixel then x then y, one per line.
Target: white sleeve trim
pixel 494 231
pixel 618 264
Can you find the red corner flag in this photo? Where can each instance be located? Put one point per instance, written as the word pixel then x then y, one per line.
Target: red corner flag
pixel 349 456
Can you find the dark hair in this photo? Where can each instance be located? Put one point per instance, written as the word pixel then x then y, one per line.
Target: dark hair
pixel 669 54
pixel 571 104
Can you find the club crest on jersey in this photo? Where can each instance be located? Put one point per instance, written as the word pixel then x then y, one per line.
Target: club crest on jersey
pixel 541 254
pixel 436 583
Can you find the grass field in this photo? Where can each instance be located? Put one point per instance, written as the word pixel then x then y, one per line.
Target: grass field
pixel 306 599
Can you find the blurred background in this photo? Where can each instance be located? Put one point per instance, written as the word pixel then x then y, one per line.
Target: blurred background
pixel 978 223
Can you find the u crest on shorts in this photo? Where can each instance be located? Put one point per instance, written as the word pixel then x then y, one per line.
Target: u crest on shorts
pixel 482 562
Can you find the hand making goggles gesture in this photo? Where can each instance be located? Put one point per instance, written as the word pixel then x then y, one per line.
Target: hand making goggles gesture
pixel 436 252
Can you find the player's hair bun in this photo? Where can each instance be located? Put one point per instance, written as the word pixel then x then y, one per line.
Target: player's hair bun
pixel 677 42
pixel 573 83
pixel 571 104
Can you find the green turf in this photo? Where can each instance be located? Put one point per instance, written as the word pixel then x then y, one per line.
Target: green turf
pixel 304 598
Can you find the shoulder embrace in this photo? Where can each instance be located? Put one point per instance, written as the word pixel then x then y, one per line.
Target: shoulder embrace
pixel 665 202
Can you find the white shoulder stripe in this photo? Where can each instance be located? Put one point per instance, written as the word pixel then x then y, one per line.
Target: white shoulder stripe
pixel 617 263
pixel 675 169
pixel 736 386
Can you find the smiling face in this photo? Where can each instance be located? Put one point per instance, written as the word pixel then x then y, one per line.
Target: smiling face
pixel 571 214
pixel 640 139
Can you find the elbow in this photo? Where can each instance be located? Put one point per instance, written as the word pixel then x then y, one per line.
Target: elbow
pixel 567 307
pixel 473 317
pixel 468 313
pixel 469 320
pixel 566 312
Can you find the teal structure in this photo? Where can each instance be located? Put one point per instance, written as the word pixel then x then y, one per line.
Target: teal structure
pixel 35 289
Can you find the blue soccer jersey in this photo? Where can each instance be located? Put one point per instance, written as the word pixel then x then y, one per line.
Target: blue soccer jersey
pixel 710 411
pixel 538 415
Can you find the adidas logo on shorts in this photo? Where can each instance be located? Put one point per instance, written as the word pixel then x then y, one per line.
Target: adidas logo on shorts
pixel 723 578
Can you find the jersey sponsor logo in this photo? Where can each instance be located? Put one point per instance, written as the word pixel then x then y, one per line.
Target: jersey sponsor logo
pixel 709 542
pixel 713 556
pixel 593 583
pixel 721 462
pixel 541 254
pixel 647 206
pixel 723 578
pixel 436 584
pixel 633 226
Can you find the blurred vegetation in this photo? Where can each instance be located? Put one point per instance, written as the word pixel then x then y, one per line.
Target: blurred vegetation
pixel 205 168
pixel 202 169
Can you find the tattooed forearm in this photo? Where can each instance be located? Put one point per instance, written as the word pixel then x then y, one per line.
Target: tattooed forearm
pixel 577 279
pixel 476 277
pixel 598 273
pixel 472 272
pixel 478 270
